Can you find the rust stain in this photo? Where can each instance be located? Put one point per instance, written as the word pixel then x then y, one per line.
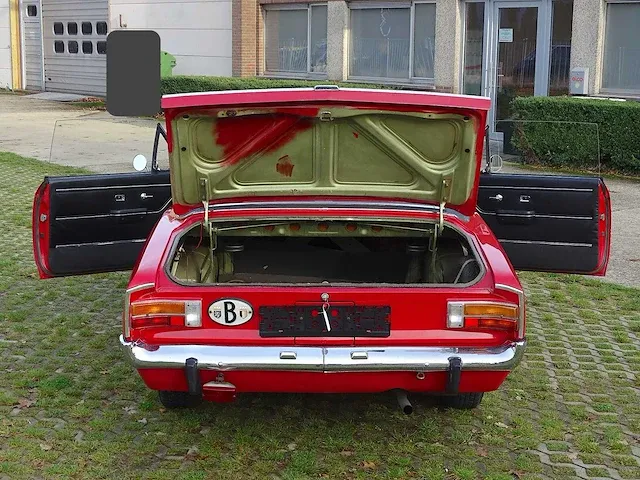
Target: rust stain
pixel 241 137
pixel 284 166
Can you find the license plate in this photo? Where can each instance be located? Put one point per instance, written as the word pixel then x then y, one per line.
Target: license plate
pixel 310 321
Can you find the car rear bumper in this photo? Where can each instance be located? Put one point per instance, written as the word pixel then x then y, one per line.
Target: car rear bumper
pixel 324 359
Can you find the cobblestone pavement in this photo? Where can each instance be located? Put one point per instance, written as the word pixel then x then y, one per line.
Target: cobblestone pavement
pixel 71 407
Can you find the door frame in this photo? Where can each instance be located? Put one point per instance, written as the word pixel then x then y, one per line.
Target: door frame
pixel 490 50
pixel 22 7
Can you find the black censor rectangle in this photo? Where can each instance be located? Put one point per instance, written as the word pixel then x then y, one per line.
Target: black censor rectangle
pixel 133 73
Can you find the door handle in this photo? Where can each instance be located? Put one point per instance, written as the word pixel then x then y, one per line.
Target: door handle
pixel 144 196
pixel 497 198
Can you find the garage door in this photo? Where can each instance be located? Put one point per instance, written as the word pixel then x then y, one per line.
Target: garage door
pixel 75 46
pixel 31 44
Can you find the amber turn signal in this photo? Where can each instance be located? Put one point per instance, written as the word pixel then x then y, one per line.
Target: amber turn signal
pixel 155 308
pixel 491 310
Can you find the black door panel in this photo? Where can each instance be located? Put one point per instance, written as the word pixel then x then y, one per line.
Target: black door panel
pixel 545 222
pixel 99 223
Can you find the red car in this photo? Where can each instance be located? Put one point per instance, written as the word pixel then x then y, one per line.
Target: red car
pixel 322 240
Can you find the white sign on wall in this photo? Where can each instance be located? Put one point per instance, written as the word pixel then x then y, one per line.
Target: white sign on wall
pixel 505 35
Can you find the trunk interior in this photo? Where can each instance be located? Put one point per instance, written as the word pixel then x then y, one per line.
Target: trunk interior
pixel 332 252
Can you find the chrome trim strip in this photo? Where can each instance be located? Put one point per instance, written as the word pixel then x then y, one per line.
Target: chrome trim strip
pixel 325 359
pixel 296 205
pixel 546 189
pixel 101 244
pixel 553 244
pixel 521 305
pixel 116 215
pixel 142 286
pixel 110 187
pixel 535 215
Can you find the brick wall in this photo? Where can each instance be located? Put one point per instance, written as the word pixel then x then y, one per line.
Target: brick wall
pixel 248 36
pixel 244 20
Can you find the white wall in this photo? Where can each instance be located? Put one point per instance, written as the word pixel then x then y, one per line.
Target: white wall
pixel 196 32
pixel 5 45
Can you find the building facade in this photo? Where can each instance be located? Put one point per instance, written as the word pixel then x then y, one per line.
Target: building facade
pixel 497 48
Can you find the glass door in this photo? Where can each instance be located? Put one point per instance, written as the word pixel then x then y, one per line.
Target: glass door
pixel 519 58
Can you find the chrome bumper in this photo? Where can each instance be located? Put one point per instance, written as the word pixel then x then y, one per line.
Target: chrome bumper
pixel 324 359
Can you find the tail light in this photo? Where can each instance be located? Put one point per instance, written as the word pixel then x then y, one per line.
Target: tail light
pixel 151 313
pixel 501 316
pixel 155 313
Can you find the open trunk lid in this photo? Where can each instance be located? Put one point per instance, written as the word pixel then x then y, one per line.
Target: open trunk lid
pixel 325 141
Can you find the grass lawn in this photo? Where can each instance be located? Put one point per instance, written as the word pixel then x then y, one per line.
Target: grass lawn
pixel 71 407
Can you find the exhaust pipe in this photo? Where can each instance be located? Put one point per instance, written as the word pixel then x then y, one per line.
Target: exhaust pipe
pixel 403 402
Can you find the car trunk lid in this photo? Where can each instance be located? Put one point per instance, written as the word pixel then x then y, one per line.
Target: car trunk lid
pixel 330 142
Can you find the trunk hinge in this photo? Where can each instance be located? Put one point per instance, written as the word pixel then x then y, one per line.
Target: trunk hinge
pixel 204 197
pixel 445 193
pixel 213 238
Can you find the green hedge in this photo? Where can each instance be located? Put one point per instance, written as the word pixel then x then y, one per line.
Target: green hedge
pixel 575 145
pixel 187 84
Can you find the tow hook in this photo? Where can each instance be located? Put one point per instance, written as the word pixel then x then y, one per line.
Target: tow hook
pixel 403 402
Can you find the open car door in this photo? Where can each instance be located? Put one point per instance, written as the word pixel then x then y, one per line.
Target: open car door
pixel 96 223
pixel 552 223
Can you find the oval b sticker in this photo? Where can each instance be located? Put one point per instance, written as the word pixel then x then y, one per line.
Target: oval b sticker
pixel 230 312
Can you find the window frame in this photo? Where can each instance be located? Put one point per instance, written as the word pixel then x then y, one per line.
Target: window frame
pixel 291 6
pixel 463 44
pixel 604 91
pixel 411 5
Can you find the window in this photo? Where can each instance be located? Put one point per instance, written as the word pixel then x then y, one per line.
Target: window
pixel 473 48
pixel 424 36
pixel 87 28
pixel 32 11
pixel 58 28
pixel 87 47
pixel 621 69
pixel 72 28
pixel 296 39
pixel 58 46
pixel 386 44
pixel 560 54
pixel 101 28
pixel 72 46
pixel 101 48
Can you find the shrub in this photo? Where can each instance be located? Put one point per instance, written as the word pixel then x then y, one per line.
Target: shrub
pixel 187 84
pixel 545 132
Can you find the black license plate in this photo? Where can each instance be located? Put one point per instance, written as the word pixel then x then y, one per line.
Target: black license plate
pixel 309 321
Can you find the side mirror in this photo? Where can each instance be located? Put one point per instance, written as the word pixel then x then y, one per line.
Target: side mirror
pixel 494 164
pixel 139 163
